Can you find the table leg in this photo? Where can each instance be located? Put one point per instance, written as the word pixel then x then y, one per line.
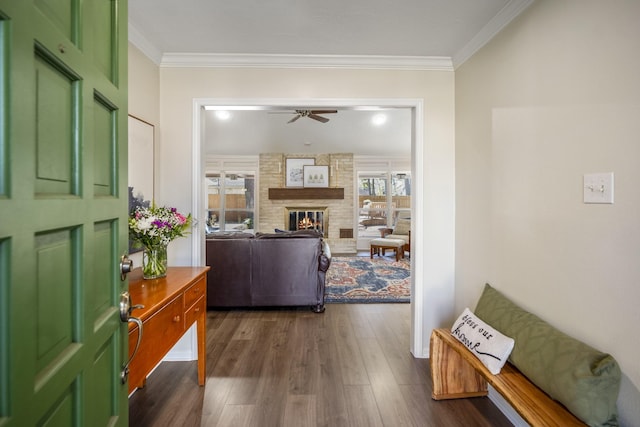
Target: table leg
pixel 202 342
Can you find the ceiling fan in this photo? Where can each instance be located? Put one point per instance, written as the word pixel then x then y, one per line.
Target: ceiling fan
pixel 312 114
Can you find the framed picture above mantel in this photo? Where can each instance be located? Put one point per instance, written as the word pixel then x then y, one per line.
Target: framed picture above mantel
pixel 295 171
pixel 316 176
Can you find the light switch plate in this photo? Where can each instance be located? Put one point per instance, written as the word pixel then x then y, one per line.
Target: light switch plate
pixel 598 188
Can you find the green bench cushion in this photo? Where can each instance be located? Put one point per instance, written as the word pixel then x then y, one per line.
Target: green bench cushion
pixel 586 381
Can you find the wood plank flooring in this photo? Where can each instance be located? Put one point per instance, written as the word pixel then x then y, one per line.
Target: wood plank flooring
pixel 349 366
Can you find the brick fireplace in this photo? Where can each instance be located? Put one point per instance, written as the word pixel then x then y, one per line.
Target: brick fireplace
pixel 307 219
pixel 274 213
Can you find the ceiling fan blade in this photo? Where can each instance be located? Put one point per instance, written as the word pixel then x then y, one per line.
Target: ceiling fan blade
pixel 294 119
pixel 318 118
pixel 323 111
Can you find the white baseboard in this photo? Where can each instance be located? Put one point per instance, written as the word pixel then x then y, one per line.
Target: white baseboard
pixel 186 349
pixel 179 356
pixel 506 409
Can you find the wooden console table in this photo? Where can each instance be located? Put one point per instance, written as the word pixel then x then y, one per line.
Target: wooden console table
pixel 171 305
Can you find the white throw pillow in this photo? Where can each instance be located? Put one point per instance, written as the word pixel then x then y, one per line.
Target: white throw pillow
pixel 487 344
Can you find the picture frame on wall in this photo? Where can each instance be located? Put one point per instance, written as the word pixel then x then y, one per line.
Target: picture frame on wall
pixel 295 171
pixel 316 176
pixel 140 170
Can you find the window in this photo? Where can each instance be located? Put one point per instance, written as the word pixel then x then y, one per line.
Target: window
pixel 382 198
pixel 372 194
pixel 401 194
pixel 230 202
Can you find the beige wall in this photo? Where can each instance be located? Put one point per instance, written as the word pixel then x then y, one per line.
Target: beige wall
pixel 180 86
pixel 144 98
pixel 144 87
pixel 552 97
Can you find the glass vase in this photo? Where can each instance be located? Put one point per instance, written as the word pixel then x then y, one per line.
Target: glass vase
pixel 154 262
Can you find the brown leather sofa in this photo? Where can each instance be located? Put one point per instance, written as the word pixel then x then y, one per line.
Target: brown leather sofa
pixel 279 269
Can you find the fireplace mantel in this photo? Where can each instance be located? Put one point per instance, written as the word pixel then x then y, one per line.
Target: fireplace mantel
pixel 305 193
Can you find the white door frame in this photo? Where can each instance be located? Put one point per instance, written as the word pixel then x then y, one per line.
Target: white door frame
pixel 418 346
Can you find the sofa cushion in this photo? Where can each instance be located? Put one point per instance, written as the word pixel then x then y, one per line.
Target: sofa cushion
pixel 229 235
pixel 287 234
pixel 583 379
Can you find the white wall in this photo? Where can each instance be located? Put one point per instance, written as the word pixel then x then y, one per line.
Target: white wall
pixel 180 86
pixel 554 96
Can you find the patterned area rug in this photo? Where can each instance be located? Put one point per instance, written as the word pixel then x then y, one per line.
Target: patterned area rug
pixel 362 280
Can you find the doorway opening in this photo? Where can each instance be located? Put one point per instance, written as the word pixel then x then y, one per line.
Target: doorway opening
pixel 415 106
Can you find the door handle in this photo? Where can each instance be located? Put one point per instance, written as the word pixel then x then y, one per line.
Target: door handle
pixel 126 308
pixel 126 265
pixel 125 316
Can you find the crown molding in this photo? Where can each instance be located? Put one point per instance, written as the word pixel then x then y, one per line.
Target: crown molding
pixel 508 13
pixel 379 62
pixel 215 60
pixel 141 42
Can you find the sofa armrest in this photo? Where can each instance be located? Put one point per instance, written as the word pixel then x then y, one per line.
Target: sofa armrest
pixel 325 257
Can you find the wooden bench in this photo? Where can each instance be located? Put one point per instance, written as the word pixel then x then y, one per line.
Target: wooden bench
pixel 456 373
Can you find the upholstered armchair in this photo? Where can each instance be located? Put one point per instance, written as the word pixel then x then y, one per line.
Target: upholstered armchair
pixel 402 231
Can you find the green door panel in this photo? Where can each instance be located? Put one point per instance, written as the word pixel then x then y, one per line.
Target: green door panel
pixel 58 105
pixel 61 13
pixel 105 147
pixel 99 394
pixel 62 412
pixel 104 52
pixel 5 276
pixel 55 295
pixel 4 88
pixel 63 212
pixel 100 285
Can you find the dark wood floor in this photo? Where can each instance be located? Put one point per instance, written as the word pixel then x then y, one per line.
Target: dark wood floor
pixel 349 366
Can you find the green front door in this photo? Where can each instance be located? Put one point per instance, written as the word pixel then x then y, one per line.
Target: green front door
pixel 63 211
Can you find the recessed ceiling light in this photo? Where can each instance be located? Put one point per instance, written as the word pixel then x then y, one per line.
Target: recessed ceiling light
pixel 233 107
pixel 379 119
pixel 222 115
pixel 307 143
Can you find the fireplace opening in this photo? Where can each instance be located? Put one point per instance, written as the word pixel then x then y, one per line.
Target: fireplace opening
pixel 307 219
